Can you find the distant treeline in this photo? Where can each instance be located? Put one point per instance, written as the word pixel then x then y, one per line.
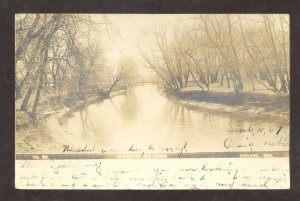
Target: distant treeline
pixel 223 48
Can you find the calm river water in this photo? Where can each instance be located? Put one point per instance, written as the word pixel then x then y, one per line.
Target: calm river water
pixel 143 117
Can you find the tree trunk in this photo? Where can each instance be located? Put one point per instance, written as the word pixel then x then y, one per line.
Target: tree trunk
pixel 36 102
pixel 54 84
pixel 286 74
pixel 28 38
pixel 227 79
pixel 18 92
pixel 41 71
pixel 26 99
pixel 199 85
pixel 235 83
pixel 222 78
pixel 112 86
pixel 179 79
pixel 251 79
pixel 282 82
pixel 186 79
pixel 275 77
pixel 20 86
pixel 207 82
pixel 239 79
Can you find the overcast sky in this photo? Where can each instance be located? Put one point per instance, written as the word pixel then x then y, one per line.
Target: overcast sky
pixel 133 31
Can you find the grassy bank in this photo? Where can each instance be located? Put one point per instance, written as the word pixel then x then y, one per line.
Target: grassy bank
pixel 36 137
pixel 249 105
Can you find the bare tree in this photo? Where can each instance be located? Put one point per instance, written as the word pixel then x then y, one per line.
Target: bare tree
pixel 49 45
pixel 167 60
pixel 125 74
pixel 266 48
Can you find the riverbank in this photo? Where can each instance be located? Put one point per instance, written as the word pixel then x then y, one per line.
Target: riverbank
pixel 253 106
pixel 50 134
pixel 31 138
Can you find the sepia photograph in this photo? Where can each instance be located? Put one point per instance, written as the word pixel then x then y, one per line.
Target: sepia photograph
pixel 209 87
pixel 204 83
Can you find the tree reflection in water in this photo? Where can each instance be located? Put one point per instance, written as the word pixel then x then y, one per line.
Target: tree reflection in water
pixel 143 116
pixel 177 111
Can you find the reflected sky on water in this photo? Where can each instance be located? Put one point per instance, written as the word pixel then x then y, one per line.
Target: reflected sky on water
pixel 142 116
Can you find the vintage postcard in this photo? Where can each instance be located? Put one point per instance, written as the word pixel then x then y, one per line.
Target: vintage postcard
pixel 152 101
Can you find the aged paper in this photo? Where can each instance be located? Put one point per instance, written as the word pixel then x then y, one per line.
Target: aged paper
pixel 224 173
pixel 152 101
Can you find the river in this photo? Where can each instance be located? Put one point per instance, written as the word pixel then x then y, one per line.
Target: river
pixel 143 117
